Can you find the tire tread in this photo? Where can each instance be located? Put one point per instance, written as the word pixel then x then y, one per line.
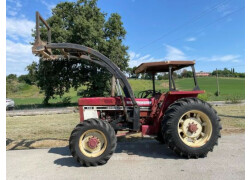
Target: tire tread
pixel 73 139
pixel 169 119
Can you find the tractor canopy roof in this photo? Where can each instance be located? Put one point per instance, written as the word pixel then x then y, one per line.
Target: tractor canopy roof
pixel 162 66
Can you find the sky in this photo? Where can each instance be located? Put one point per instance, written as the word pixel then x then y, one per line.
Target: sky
pixel 211 32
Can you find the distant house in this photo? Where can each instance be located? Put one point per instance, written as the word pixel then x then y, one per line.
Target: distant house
pixel 204 74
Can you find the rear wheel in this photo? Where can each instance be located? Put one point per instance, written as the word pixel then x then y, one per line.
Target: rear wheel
pixel 160 138
pixel 92 142
pixel 191 127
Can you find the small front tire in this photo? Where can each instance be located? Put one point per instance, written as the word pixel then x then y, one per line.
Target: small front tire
pixel 92 142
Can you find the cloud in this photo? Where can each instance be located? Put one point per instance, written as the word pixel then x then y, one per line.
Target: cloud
pixel 174 53
pixel 224 9
pixel 187 48
pixel 133 55
pixel 190 39
pixel 17 29
pixel 18 56
pixel 13 7
pixel 137 59
pixel 18 52
pixel 224 58
pixel 48 5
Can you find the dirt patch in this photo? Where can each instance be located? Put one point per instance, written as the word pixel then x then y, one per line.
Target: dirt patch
pixel 34 144
pixel 165 85
pixel 48 143
pixel 232 131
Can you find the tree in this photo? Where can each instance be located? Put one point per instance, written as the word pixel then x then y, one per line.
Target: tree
pixel 175 75
pixel 31 77
pixel 129 71
pixel 147 75
pixel 186 73
pixel 11 84
pixel 224 73
pixel 82 22
pixel 11 77
pixel 24 78
pixel 133 74
pixel 162 76
pixel 159 77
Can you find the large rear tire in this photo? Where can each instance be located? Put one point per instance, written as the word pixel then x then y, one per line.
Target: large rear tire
pixel 160 138
pixel 191 127
pixel 92 142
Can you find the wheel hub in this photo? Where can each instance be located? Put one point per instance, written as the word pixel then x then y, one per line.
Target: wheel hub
pixel 93 142
pixel 192 127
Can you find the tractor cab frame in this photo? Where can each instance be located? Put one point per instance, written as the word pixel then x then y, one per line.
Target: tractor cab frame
pixel 167 66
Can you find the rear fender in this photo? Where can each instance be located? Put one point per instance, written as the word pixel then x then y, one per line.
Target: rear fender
pixel 163 103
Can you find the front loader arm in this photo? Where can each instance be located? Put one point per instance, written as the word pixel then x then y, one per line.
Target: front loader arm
pixel 75 51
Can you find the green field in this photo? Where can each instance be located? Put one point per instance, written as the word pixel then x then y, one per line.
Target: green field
pixel 230 89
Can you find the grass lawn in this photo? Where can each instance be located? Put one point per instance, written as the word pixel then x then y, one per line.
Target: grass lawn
pixel 33 98
pixel 24 132
pixel 230 88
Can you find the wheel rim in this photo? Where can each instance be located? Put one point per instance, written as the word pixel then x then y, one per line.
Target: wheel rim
pixel 93 143
pixel 195 128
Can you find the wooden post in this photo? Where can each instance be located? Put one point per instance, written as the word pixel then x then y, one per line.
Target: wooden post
pixel 113 86
pixel 217 81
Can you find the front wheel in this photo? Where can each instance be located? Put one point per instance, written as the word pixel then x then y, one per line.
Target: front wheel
pixel 92 142
pixel 191 127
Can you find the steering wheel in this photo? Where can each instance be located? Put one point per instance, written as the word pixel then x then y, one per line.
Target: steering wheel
pixel 145 94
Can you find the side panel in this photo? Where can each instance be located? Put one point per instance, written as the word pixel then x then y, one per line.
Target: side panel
pixel 92 107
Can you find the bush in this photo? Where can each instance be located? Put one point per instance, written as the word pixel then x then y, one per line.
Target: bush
pixel 25 78
pixel 203 97
pixel 66 100
pixel 12 87
pixel 81 92
pixel 23 86
pixel 216 93
pixel 11 77
pixel 233 99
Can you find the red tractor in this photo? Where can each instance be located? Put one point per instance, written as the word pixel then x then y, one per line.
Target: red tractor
pixel 187 125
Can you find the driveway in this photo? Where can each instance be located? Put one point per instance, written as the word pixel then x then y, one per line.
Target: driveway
pixel 145 159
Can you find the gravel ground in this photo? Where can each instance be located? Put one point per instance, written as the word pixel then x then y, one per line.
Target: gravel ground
pixel 145 159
